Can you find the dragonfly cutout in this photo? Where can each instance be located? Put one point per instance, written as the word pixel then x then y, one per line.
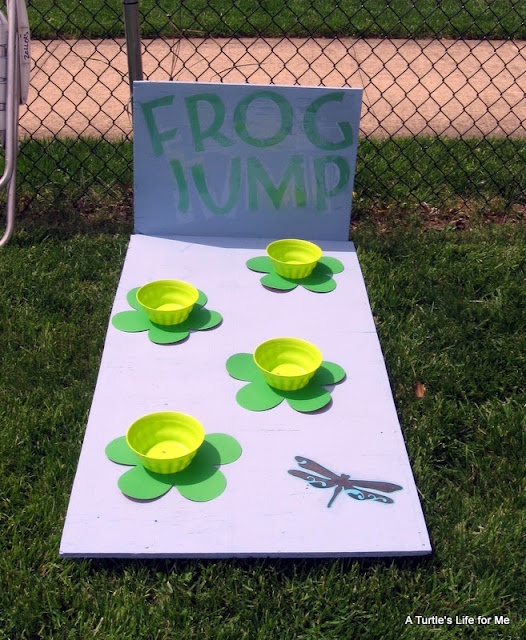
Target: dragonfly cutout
pixel 357 489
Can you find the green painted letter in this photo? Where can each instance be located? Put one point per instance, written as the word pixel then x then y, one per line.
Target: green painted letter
pixel 156 137
pixel 240 115
pixel 256 173
pixel 309 124
pixel 322 190
pixel 198 135
pixel 181 184
pixel 235 183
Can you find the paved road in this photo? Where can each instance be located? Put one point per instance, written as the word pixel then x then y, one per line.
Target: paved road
pixel 410 87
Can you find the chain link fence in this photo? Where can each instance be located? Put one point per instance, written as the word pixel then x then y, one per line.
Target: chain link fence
pixel 444 106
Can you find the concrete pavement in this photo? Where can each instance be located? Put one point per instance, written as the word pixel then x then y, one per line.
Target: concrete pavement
pixel 411 87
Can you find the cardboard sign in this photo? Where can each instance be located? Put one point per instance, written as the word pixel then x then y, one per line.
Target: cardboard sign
pixel 244 160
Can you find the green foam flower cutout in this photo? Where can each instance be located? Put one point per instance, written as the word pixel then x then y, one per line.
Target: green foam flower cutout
pixel 201 481
pixel 260 396
pixel 320 280
pixel 199 319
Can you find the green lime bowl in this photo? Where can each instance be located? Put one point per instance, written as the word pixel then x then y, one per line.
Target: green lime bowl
pixel 165 442
pixel 292 258
pixel 287 363
pixel 167 302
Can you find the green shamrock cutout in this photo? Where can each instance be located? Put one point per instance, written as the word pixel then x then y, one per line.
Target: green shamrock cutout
pixel 260 396
pixel 320 280
pixel 199 319
pixel 201 481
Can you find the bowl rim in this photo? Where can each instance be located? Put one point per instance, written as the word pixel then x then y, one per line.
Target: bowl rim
pixel 301 241
pixel 300 340
pixel 201 437
pixel 194 289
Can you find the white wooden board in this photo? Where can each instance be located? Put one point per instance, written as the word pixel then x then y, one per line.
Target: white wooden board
pixel 244 160
pixel 264 511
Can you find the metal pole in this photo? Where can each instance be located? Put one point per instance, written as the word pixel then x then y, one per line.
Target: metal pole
pixel 133 41
pixel 12 110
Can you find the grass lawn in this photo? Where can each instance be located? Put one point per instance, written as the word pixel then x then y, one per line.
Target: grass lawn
pixel 449 307
pixel 396 18
pixel 397 171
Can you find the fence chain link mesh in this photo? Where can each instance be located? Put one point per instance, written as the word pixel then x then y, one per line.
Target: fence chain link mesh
pixel 444 86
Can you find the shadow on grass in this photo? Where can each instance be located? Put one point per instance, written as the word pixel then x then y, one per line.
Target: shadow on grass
pixel 299 567
pixel 88 214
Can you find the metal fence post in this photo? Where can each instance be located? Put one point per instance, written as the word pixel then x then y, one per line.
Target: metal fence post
pixel 133 42
pixel 14 70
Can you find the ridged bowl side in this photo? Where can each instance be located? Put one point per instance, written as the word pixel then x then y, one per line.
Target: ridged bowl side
pixel 179 430
pixel 287 354
pixel 156 294
pixel 292 258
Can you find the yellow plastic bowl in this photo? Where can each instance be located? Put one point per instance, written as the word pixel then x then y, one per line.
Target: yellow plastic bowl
pixel 167 302
pixel 167 441
pixel 294 258
pixel 287 363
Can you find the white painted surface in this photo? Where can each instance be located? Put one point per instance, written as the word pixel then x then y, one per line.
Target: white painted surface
pixel 264 510
pixel 295 170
